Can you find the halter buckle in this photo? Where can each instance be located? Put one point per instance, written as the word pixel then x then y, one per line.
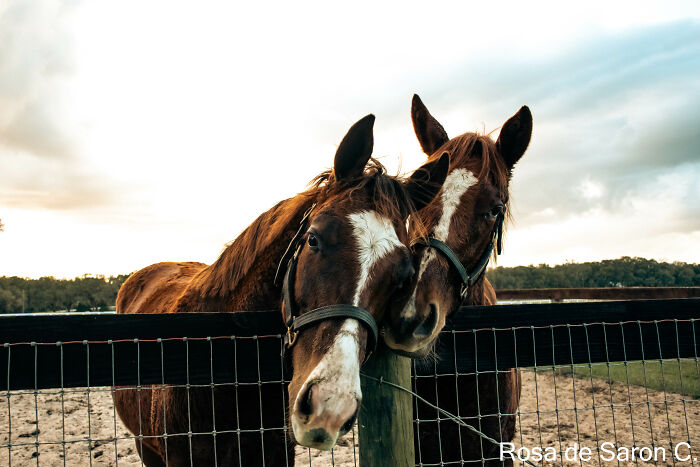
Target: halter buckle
pixel 464 291
pixel 291 338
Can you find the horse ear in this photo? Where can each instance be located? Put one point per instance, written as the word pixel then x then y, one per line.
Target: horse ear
pixel 354 150
pixel 515 136
pixel 431 135
pixel 425 183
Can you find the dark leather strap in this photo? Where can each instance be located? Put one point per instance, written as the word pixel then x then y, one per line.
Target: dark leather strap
pixel 481 267
pixel 288 301
pixel 447 251
pixel 293 244
pixel 468 278
pixel 339 312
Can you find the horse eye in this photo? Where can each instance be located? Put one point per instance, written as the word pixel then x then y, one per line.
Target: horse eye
pixel 496 211
pixel 404 284
pixel 313 242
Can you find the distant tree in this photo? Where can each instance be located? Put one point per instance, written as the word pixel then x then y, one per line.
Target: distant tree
pixel 84 293
pixel 622 272
pixel 10 301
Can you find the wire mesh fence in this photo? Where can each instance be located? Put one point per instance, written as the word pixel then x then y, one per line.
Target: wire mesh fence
pixel 604 411
pixel 555 384
pixel 83 425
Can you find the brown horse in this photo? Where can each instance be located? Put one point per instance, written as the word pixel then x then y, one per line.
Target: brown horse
pixel 463 224
pixel 352 250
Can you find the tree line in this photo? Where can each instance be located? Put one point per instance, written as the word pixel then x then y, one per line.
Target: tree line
pixel 89 292
pixel 623 272
pixel 86 293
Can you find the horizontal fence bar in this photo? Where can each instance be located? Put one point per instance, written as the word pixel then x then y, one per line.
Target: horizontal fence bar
pixel 485 338
pixel 477 338
pixel 104 326
pixel 599 293
pixel 140 349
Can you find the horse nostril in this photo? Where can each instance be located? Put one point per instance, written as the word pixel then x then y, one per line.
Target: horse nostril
pixel 347 426
pixel 305 406
pixel 406 327
pixel 319 436
pixel 411 272
pixel 427 326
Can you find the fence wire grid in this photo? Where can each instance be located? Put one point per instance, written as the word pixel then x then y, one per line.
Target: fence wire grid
pixel 587 394
pixel 624 412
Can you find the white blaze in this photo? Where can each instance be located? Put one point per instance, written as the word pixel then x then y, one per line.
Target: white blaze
pixel 456 184
pixel 376 237
pixel 339 369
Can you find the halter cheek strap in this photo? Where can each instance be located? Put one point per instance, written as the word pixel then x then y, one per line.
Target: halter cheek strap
pixel 294 320
pixel 468 278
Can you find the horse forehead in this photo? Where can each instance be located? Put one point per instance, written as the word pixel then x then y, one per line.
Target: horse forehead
pixel 458 181
pixel 376 238
pixel 456 184
pixel 375 234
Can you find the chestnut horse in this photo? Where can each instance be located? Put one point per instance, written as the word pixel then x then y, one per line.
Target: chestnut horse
pixel 350 249
pixel 464 225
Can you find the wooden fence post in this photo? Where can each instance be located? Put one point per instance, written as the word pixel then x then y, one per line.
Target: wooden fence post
pixel 386 414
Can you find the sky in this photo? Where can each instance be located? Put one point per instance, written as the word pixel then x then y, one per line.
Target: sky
pixel 137 132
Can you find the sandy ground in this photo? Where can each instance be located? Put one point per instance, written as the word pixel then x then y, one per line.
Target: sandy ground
pixel 549 416
pixel 601 412
pixel 90 434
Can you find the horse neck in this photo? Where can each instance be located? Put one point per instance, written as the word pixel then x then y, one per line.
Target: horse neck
pixel 242 278
pixel 482 293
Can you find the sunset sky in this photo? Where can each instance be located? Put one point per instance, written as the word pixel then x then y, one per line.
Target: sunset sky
pixel 138 132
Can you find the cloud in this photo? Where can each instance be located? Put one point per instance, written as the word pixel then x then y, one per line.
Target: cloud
pixel 615 140
pixel 41 151
pixel 54 184
pixel 612 117
pixel 659 220
pixel 35 62
pixel 176 135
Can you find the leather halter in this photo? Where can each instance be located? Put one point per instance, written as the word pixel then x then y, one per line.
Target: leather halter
pixel 294 320
pixel 468 278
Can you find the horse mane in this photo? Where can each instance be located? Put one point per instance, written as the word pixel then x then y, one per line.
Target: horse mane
pixel 276 227
pixel 389 195
pixel 227 272
pixel 462 148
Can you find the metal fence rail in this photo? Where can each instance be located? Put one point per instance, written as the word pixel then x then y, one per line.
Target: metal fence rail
pixel 599 293
pixel 570 358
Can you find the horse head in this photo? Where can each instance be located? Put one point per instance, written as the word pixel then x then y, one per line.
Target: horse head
pixel 350 253
pixel 464 224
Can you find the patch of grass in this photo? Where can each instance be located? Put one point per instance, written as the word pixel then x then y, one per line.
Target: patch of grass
pixel 682 377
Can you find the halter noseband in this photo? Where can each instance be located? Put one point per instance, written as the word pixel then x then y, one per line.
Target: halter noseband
pixel 468 278
pixel 294 321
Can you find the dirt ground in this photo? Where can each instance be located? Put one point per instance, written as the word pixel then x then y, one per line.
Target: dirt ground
pixel 626 416
pixel 549 416
pixel 38 419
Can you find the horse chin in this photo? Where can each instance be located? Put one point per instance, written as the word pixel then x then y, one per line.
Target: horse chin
pixel 423 352
pixel 323 442
pixel 418 354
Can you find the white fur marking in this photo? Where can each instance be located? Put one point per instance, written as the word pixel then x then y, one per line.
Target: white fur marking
pixel 376 237
pixel 339 370
pixel 456 184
